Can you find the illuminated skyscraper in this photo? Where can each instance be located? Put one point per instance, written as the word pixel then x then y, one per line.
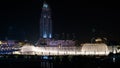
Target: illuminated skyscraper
pixel 45 22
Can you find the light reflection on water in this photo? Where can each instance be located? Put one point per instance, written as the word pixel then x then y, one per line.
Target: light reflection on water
pixel 47 64
pixel 63 61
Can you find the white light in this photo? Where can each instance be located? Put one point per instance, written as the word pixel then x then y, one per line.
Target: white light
pixel 114 52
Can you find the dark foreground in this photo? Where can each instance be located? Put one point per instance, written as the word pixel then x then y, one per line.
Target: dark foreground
pixel 22 61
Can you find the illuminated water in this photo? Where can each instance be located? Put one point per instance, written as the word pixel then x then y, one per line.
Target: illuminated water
pixel 60 61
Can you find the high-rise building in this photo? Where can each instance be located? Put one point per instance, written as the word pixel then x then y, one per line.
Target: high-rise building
pixel 45 22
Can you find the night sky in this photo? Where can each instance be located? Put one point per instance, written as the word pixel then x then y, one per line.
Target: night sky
pixel 68 16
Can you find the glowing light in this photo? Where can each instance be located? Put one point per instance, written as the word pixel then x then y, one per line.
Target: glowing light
pixel 45 57
pixel 44 16
pixel 95 49
pixel 114 52
pixel 0 42
pixel 45 35
pixel 98 40
pixel 45 5
pixel 113 59
pixel 90 50
pixel 50 36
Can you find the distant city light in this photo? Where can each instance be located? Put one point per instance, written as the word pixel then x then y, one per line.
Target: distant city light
pixel 45 57
pixel 45 5
pixel 45 35
pixel 50 36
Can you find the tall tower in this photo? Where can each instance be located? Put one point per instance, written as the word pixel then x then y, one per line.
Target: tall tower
pixel 45 22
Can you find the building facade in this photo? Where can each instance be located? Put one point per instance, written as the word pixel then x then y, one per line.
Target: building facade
pixel 45 22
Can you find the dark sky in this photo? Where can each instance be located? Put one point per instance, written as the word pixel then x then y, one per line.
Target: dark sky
pixel 69 16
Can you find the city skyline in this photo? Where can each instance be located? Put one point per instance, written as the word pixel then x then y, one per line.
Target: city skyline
pixel 68 17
